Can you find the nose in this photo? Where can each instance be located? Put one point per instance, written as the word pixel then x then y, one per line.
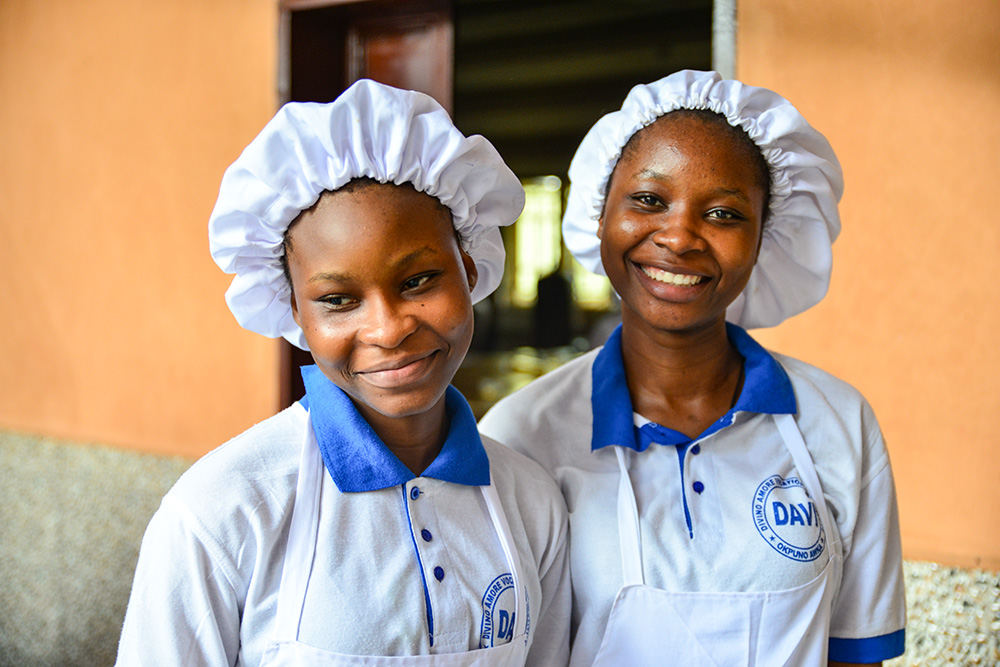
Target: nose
pixel 679 231
pixel 388 322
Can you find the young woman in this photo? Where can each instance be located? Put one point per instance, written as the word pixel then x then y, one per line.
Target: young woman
pixel 368 524
pixel 728 506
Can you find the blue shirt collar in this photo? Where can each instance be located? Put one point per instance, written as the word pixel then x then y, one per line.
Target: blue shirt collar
pixel 358 460
pixel 766 390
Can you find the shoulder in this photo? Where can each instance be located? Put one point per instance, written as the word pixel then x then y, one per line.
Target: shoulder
pixel 829 406
pixel 249 462
pixel 242 491
pixel 813 385
pixel 525 478
pixel 840 430
pixel 531 500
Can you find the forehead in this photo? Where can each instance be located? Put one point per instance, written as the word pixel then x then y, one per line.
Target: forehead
pixel 375 210
pixel 694 137
pixel 709 132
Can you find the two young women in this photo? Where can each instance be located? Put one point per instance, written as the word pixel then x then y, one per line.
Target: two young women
pixel 726 505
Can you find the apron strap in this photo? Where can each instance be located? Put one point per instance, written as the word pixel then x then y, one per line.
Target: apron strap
pixel 628 525
pixel 803 461
pixel 301 546
pixel 513 559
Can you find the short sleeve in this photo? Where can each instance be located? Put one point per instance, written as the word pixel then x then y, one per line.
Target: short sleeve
pixel 183 609
pixel 869 618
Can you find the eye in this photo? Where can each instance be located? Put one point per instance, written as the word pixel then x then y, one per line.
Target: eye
pixel 726 215
pixel 338 302
pixel 647 200
pixel 419 281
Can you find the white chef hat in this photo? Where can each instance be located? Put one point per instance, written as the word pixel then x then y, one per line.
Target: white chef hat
pixel 793 270
pixel 371 130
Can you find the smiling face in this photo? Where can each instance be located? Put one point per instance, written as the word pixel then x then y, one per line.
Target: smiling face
pixel 381 291
pixel 682 222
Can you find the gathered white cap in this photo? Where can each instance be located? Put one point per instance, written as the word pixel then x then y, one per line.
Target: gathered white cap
pixel 793 270
pixel 371 130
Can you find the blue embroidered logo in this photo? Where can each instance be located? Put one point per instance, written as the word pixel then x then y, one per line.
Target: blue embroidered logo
pixel 787 519
pixel 498 612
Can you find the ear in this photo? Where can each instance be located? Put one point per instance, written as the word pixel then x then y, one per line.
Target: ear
pixel 471 272
pixel 600 226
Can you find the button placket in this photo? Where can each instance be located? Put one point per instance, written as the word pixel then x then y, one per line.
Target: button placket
pixel 697 485
pixel 702 492
pixel 421 511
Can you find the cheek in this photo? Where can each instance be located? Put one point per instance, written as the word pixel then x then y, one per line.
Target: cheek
pixel 453 319
pixel 620 233
pixel 618 238
pixel 460 321
pixel 741 253
pixel 327 341
pixel 628 228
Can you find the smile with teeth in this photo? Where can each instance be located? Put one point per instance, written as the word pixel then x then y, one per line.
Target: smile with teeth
pixel 662 276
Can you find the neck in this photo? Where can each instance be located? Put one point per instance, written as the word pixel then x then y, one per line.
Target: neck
pixel 416 440
pixel 684 380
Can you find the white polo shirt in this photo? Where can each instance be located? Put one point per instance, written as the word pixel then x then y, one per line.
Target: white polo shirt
pixel 724 511
pixel 404 565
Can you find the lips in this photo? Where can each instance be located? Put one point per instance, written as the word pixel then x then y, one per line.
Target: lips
pixel 399 372
pixel 671 286
pixel 662 276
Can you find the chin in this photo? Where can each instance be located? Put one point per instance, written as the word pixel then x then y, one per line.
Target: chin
pixel 407 405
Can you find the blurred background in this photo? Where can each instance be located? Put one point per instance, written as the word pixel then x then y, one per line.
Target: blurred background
pixel 120 363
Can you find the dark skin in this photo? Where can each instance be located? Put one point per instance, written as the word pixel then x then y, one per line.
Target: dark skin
pixel 381 289
pixel 680 235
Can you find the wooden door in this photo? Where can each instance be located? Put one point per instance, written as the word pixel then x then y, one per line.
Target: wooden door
pixel 328 44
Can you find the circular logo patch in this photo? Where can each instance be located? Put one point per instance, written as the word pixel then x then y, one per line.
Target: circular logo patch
pixel 786 517
pixel 498 612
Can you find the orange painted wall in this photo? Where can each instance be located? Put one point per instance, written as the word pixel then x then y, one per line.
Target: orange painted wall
pixel 117 120
pixel 907 93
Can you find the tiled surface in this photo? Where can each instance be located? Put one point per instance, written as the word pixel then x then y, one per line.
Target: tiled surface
pixel 72 517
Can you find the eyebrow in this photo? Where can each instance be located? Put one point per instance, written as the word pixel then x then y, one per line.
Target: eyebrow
pixel 415 255
pixel 739 194
pixel 330 277
pixel 335 277
pixel 731 192
pixel 651 173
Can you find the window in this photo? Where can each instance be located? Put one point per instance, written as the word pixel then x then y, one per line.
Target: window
pixel 538 250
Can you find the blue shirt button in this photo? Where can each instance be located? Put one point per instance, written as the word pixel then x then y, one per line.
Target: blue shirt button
pixel 415 492
pixel 698 487
pixel 426 534
pixel 439 573
pixel 696 450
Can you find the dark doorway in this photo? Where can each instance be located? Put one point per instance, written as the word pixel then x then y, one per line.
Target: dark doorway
pixel 530 75
pixel 327 46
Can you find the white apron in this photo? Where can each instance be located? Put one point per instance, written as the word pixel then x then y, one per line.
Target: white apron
pixel 788 628
pixel 284 649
